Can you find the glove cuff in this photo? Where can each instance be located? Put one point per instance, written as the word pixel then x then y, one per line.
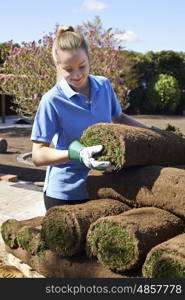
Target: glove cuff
pixel 74 150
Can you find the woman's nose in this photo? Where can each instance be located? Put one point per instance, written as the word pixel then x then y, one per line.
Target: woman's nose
pixel 76 74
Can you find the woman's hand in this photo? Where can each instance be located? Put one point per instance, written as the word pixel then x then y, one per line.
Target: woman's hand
pixel 84 154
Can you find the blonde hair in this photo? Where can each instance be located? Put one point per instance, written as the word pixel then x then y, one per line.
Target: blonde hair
pixel 67 39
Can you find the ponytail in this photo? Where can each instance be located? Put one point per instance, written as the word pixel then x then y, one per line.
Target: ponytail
pixel 68 39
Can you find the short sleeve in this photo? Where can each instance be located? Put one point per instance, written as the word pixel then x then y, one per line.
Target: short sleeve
pixel 45 122
pixel 115 105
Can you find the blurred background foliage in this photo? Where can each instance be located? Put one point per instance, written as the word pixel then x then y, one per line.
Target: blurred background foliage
pixel 150 83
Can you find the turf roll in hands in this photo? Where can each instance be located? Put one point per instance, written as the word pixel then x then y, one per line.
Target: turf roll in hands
pixel 132 146
pixel 64 228
pixel 122 242
pixel 166 260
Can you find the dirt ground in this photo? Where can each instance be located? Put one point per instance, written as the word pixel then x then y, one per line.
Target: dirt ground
pixel 19 142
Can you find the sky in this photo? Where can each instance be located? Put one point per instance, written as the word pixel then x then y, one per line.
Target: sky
pixel 147 25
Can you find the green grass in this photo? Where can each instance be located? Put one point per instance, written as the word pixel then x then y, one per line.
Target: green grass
pixel 41 249
pixel 112 244
pixel 30 240
pixel 58 233
pixel 169 268
pixel 152 262
pixel 24 238
pixel 9 237
pixel 111 146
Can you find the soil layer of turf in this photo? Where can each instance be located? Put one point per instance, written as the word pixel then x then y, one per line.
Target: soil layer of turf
pixel 50 265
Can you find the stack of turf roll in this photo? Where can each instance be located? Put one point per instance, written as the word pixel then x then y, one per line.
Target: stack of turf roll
pixel 156 186
pixel 122 242
pixel 10 232
pixel 166 260
pixel 64 228
pixel 127 146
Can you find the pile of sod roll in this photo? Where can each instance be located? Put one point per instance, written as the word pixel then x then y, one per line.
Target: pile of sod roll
pixel 149 176
pixel 134 222
pixel 63 229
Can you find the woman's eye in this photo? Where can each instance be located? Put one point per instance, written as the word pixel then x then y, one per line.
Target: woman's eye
pixel 82 67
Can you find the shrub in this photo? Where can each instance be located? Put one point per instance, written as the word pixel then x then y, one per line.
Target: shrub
pixel 28 73
pixel 164 93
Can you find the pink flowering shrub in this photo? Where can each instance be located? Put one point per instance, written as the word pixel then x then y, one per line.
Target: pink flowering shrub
pixel 29 71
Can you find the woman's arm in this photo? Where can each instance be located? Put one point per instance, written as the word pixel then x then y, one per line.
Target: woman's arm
pixel 127 120
pixel 43 155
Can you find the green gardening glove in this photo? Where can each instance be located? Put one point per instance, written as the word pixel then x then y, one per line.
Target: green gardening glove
pixel 77 151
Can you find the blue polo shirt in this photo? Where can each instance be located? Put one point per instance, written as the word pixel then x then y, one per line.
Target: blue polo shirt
pixel 61 118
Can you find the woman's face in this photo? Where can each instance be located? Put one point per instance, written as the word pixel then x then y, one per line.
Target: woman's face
pixel 74 67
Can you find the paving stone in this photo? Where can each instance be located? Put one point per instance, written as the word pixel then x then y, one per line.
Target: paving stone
pixel 19 203
pixel 8 177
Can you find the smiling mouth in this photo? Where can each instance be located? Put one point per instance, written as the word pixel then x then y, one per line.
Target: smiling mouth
pixel 77 80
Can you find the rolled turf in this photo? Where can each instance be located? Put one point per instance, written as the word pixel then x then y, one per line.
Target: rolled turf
pixel 10 228
pixel 122 242
pixel 156 186
pixel 132 146
pixel 64 228
pixel 29 239
pixel 166 260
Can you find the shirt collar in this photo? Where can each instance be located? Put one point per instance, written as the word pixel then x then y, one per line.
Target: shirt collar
pixel 69 92
pixel 94 85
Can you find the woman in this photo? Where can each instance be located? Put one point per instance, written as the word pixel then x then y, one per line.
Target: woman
pixel 77 101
